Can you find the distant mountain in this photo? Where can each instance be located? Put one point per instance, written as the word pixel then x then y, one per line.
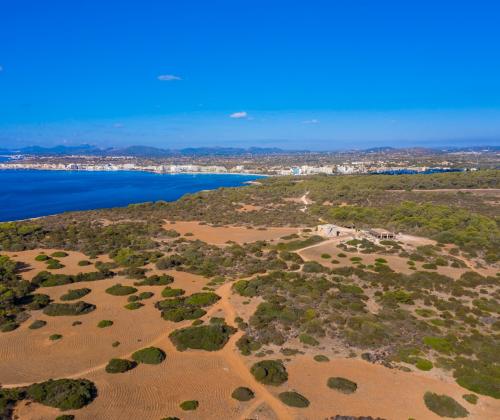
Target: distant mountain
pixel 84 149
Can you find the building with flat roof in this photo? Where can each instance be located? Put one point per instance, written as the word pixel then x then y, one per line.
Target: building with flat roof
pixel 381 233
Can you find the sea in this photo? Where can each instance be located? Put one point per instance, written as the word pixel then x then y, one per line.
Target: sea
pixel 33 193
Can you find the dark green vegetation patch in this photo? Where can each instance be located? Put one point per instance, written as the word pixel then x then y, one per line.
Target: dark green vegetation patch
pixel 189 405
pixel 68 309
pixel 119 365
pixel 270 372
pixel 243 394
pixel 75 294
pixel 444 406
pixel 204 337
pixel 104 323
pixel 120 290
pixel 65 394
pixel 342 385
pixel 293 399
pixel 149 355
pixel 39 323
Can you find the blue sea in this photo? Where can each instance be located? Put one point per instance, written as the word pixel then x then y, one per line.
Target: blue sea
pixel 33 193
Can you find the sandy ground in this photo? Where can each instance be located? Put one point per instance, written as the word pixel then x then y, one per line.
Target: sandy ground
pixel 153 392
pixel 399 264
pixel 221 235
pixel 70 262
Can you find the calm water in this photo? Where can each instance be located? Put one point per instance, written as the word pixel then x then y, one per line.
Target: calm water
pixel 28 193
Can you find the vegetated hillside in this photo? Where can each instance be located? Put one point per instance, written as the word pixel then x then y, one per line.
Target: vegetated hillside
pixel 464 219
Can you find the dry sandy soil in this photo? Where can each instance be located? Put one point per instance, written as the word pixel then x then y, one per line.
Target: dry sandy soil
pixel 221 235
pixel 153 392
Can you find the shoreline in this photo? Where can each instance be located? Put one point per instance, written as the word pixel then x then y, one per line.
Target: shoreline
pixel 134 171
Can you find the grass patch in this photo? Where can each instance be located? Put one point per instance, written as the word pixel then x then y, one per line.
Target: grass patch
pixel 65 394
pixel 132 306
pixel 68 309
pixel 321 358
pixel 104 323
pixel 39 323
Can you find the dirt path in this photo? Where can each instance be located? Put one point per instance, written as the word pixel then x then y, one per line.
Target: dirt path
pixel 229 353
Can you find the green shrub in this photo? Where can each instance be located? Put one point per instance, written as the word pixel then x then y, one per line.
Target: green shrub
pixel 55 337
pixel 42 257
pixel 84 263
pixel 204 337
pixel 471 398
pixel 202 299
pixel 145 295
pixel 119 365
pixel 423 364
pixel 444 406
pixel 132 306
pixel 68 309
pixel 270 372
pixel 307 339
pixel 115 344
pixel 65 417
pixel 189 405
pixel 65 394
pixel 294 399
pixel 182 313
pixel 104 323
pixel 321 358
pixel 120 290
pixel 59 254
pixel 54 265
pixel 243 394
pixel 39 323
pixel 342 385
pixel 74 294
pixel 169 292
pixel 9 326
pixel 155 280
pixel 326 256
pixel 440 344
pixel 149 355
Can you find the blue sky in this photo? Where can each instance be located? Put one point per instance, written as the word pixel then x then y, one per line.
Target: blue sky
pixel 317 74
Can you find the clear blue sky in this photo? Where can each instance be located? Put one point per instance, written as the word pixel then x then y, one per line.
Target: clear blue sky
pixel 306 74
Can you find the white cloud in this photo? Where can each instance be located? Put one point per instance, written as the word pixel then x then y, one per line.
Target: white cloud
pixel 168 77
pixel 313 121
pixel 239 115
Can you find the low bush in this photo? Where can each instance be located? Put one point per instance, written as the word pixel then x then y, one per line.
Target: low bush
pixel 293 399
pixel 243 394
pixel 104 323
pixel 202 299
pixel 169 292
pixel 59 254
pixel 189 405
pixel 307 339
pixel 68 309
pixel 119 365
pixel 470 398
pixel 444 406
pixel 84 263
pixel 204 337
pixel 321 358
pixel 155 280
pixel 55 337
pixel 149 355
pixel 342 385
pixel 74 294
pixel 39 323
pixel 120 290
pixel 65 394
pixel 54 265
pixel 423 364
pixel 270 372
pixel 42 257
pixel 132 306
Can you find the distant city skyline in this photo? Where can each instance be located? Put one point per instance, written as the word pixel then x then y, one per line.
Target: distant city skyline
pixel 320 76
